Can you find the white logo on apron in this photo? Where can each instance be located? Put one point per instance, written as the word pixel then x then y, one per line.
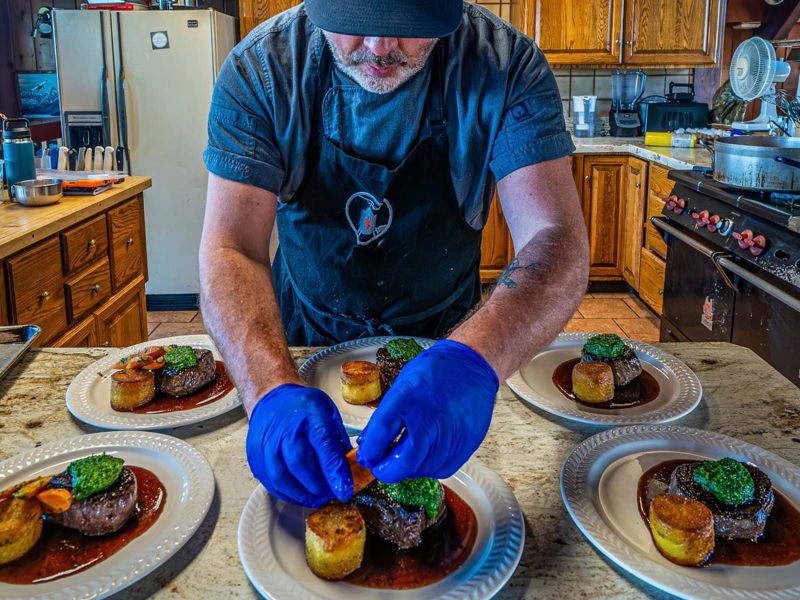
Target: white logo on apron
pixel 374 217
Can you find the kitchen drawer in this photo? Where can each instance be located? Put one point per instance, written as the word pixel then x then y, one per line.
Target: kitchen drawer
pixel 84 244
pixel 126 231
pixel 36 288
pixel 660 185
pixel 653 240
pixel 651 280
pixel 88 289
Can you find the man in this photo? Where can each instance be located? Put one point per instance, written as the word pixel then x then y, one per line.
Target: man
pixel 372 132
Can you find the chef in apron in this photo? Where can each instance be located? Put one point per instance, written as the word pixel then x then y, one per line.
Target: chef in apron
pixel 371 135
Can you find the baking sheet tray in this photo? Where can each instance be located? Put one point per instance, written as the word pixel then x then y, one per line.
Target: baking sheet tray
pixel 15 340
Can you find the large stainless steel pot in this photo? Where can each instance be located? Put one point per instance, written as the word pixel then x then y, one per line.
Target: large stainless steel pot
pixel 758 162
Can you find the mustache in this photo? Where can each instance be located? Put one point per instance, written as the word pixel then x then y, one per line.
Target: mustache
pixel 365 57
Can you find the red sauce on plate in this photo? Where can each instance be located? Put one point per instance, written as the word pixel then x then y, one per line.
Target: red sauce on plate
pixel 61 552
pixel 779 545
pixel 164 403
pixel 444 549
pixel 640 391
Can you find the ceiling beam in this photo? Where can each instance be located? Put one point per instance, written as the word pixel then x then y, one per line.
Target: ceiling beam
pixel 779 19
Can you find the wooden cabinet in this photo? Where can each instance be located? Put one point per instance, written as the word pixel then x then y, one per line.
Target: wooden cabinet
pixel 577 31
pixel 651 281
pixel 253 12
pixel 126 235
pixel 684 32
pixel 88 289
pixel 601 196
pixel 645 33
pixel 633 220
pixel 658 189
pixel 123 320
pixel 497 248
pixel 36 288
pixel 3 299
pixel 85 243
pixel 83 335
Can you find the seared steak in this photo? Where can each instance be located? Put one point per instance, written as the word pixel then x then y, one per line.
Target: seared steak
pixel 742 522
pixel 389 367
pixel 101 513
pixel 626 367
pixel 400 524
pixel 188 381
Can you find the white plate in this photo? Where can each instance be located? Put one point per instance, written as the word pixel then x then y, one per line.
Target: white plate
pixel 322 370
pixel 186 475
pixel 679 395
pixel 89 394
pixel 272 548
pixel 599 485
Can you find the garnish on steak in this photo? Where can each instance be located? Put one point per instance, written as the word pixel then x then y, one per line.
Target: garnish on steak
pixel 400 513
pixel 393 356
pixel 717 484
pixel 610 349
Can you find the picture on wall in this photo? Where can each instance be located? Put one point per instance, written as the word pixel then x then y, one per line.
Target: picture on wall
pixel 38 92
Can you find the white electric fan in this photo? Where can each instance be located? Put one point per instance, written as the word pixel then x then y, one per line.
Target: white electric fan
pixel 754 73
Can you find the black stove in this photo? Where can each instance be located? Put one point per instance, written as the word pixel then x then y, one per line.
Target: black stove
pixel 733 268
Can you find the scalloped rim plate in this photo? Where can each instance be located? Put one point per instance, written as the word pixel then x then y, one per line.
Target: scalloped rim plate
pixel 272 549
pixel 323 368
pixel 680 392
pixel 88 396
pixel 189 482
pixel 599 483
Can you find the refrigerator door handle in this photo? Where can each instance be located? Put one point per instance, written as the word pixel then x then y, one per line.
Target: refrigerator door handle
pixel 122 109
pixel 104 109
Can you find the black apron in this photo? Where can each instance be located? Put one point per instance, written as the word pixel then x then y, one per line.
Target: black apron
pixel 366 249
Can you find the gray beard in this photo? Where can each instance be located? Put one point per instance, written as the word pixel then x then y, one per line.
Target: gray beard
pixel 382 85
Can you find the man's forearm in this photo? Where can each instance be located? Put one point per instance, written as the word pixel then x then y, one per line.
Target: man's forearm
pixel 241 313
pixel 533 300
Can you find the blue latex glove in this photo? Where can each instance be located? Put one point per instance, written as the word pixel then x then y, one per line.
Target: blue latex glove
pixel 444 399
pixel 296 446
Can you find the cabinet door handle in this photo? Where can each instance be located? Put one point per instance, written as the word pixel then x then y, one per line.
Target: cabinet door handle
pixel 638 185
pixel 92 243
pixel 105 344
pixel 630 43
pixel 661 292
pixel 44 295
pixel 586 178
pixel 129 241
pixel 96 289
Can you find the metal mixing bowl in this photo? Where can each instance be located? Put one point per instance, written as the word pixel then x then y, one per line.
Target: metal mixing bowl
pixel 37 192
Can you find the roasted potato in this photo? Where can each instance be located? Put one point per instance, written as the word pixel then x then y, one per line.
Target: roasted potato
pixel 593 382
pixel 360 382
pixel 20 527
pixel 682 528
pixel 132 388
pixel 335 538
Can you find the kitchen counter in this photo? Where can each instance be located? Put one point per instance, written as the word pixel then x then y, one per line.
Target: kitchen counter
pixel 671 158
pixel 744 398
pixel 21 226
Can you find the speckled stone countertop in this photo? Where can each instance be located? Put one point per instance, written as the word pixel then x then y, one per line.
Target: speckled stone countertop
pixel 671 158
pixel 744 398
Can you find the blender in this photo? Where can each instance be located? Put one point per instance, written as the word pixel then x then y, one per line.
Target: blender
pixel 626 89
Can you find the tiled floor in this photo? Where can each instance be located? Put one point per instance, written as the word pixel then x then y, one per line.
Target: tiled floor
pixel 623 314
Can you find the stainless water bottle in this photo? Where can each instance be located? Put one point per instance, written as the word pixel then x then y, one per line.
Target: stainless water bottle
pixel 18 151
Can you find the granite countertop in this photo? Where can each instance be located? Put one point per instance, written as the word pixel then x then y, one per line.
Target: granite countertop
pixel 671 158
pixel 743 397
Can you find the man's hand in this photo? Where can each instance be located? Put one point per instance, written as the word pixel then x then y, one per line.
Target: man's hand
pixel 442 401
pixel 296 446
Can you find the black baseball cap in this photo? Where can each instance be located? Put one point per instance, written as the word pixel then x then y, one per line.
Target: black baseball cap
pixel 387 18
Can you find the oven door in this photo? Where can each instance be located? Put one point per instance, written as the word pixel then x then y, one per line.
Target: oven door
pixel 698 300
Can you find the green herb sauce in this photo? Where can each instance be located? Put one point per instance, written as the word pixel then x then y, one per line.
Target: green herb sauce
pixel 606 345
pixel 421 491
pixel 178 358
pixel 94 474
pixel 727 480
pixel 403 348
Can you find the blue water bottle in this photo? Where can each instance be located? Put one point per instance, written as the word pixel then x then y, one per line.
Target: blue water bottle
pixel 18 151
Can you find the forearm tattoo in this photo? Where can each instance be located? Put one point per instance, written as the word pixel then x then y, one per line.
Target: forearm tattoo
pixel 507 277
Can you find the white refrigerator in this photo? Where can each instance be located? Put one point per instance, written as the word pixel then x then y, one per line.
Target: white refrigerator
pixel 142 80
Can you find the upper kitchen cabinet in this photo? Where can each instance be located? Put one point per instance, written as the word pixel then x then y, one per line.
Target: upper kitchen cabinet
pixel 577 31
pixel 253 12
pixel 642 33
pixel 671 32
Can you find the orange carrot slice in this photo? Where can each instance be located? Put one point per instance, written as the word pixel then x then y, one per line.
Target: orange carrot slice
pixel 362 476
pixel 31 488
pixel 8 492
pixel 55 500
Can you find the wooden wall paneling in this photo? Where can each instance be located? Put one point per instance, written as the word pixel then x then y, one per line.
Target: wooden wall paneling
pixel 9 100
pixel 779 19
pixel 253 12
pixel 21 24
